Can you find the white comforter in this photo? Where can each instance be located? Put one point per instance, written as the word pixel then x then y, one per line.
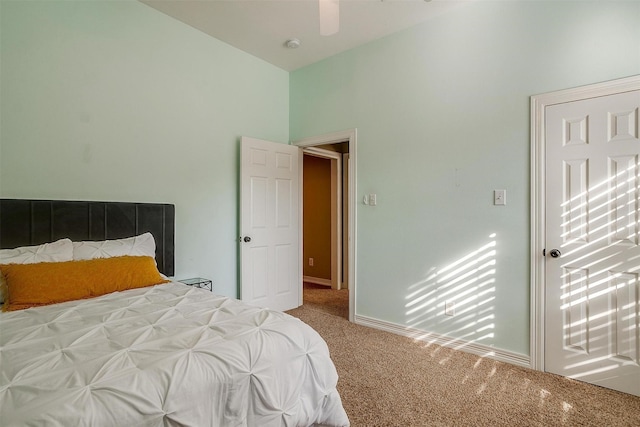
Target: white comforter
pixel 169 355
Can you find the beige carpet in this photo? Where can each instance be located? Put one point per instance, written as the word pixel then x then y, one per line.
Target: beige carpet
pixel 326 299
pixel 389 380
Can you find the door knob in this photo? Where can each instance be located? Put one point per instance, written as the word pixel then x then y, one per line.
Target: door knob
pixel 555 253
pixel 247 239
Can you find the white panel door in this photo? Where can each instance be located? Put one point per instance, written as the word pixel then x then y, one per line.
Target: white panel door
pixel 592 330
pixel 270 258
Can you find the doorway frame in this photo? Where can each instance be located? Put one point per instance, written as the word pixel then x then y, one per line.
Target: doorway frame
pixel 539 103
pixel 349 136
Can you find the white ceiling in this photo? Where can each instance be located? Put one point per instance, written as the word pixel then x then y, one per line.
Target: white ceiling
pixel 261 27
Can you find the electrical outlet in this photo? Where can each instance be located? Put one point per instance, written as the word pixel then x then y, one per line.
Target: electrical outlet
pixel 449 308
pixel 311 262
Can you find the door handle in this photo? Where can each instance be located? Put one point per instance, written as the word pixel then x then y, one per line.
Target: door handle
pixel 555 253
pixel 247 239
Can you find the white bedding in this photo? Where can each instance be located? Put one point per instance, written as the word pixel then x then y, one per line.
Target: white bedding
pixel 168 355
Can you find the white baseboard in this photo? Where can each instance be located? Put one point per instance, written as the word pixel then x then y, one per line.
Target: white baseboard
pixel 445 341
pixel 317 280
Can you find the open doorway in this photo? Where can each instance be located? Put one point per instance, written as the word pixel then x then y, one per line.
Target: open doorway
pixel 334 292
pixel 325 220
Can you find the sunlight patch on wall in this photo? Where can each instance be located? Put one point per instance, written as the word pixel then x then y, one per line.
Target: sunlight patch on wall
pixel 458 297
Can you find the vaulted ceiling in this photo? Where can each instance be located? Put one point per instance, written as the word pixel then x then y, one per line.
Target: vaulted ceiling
pixel 262 27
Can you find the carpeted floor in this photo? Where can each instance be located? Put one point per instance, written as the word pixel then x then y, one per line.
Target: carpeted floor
pixel 325 299
pixel 389 380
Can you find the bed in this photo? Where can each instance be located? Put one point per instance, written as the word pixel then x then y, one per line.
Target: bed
pixel 163 354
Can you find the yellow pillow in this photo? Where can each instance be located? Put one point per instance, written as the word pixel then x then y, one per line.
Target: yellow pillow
pixel 32 285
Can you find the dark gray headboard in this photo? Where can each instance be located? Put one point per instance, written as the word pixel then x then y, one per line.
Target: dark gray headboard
pixel 33 222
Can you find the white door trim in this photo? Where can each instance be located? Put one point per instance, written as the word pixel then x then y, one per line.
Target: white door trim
pixel 336 210
pixel 349 135
pixel 538 208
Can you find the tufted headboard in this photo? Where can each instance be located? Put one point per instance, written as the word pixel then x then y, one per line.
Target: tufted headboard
pixel 33 222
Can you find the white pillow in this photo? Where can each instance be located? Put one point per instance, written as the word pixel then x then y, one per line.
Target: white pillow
pixel 58 251
pixel 142 245
pixel 61 250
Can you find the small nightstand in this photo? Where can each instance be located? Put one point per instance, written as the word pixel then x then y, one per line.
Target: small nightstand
pixel 198 282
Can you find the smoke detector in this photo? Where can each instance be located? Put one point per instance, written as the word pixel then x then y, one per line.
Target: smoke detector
pixel 292 43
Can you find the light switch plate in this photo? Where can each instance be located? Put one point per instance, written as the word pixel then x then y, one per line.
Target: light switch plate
pixel 499 197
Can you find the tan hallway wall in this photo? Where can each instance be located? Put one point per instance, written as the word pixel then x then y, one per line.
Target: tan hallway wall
pixel 317 217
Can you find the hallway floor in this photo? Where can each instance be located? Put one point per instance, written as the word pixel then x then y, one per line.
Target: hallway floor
pixel 323 298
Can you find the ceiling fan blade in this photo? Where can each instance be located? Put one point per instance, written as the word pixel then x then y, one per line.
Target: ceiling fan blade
pixel 329 16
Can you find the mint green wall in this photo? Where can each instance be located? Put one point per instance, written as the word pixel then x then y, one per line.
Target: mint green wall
pixel 112 100
pixel 442 112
